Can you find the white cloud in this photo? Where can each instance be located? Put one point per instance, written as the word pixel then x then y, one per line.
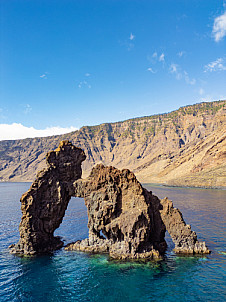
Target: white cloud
pixel 219 27
pixel 87 74
pixel 131 37
pixel 217 65
pixel 156 57
pixel 188 80
pixel 84 84
pixel 174 69
pixel 43 76
pixel 128 42
pixel 151 70
pixel 181 53
pixel 162 58
pixel 180 74
pixel 18 131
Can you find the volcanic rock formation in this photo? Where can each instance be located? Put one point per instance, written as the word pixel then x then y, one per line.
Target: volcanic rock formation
pixel 43 205
pixel 124 219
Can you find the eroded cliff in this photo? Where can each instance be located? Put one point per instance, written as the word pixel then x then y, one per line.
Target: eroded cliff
pixel 186 147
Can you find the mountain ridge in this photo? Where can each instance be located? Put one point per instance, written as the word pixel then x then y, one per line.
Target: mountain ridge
pixel 184 147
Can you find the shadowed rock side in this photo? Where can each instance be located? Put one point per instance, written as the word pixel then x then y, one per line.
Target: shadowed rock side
pixel 124 219
pixel 43 205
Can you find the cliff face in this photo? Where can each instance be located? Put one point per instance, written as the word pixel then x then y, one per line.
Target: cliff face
pixel 184 147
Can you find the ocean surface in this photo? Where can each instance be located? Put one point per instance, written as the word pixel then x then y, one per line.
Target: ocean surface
pixel 74 276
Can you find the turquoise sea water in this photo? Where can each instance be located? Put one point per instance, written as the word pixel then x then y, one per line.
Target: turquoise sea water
pixel 73 276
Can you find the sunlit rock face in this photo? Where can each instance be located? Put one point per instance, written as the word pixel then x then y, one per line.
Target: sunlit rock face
pixel 124 219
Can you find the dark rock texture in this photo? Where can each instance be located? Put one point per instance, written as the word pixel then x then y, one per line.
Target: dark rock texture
pixel 124 219
pixel 43 205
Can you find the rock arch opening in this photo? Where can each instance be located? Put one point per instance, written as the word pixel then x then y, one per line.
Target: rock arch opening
pixel 74 224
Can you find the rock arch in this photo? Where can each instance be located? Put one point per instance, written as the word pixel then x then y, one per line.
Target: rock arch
pixel 124 219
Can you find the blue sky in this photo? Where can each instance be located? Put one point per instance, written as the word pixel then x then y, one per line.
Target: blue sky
pixel 66 64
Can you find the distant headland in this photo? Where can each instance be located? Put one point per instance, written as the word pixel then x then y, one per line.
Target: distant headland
pixel 186 147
